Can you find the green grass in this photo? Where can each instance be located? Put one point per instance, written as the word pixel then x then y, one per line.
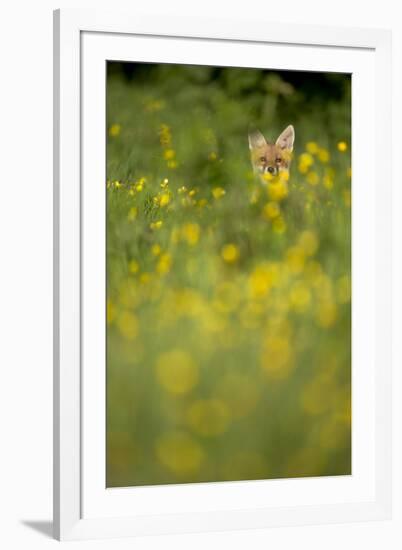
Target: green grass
pixel 229 321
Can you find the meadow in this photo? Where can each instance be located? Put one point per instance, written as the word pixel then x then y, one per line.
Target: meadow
pixel 228 301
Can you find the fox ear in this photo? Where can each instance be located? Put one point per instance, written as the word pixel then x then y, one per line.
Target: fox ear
pixel 256 139
pixel 287 138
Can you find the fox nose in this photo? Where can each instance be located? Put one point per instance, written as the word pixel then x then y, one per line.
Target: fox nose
pixel 271 169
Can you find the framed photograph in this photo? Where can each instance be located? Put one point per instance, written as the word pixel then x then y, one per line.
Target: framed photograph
pixel 222 275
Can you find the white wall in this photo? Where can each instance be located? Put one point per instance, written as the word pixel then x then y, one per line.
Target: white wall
pixel 26 269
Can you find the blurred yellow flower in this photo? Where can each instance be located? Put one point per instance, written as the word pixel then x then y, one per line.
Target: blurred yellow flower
pixel 164 183
pixel 156 249
pixel 132 214
pixel 328 181
pixel 212 155
pixel 169 154
pixel 110 312
pixel 154 105
pixel 279 225
pixel 312 147
pixel 218 192
pixel 308 240
pixel 165 135
pixel 179 452
pixel 323 155
pixel 145 278
pixel 133 266
pixel 263 278
pixel 305 161
pixel 313 178
pixel 342 146
pixel 164 199
pixel 164 264
pixel 191 233
pixel 127 324
pixel 182 189
pixel 114 130
pixel 230 253
pixel 208 417
pixel 156 225
pixel 300 297
pixel 176 371
pixel 295 258
pixel 278 190
pixel 172 164
pixel 272 210
pixel 326 314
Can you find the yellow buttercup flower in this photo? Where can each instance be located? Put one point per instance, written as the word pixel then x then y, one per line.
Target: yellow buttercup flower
pixel 114 130
pixel 263 278
pixel 156 249
pixel 230 253
pixel 218 192
pixel 156 225
pixel 305 161
pixel 169 154
pixel 164 199
pixel 323 155
pixel 278 189
pixel 312 147
pixel 272 210
pixel 342 146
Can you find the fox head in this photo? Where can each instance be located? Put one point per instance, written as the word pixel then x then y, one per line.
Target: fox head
pixel 271 158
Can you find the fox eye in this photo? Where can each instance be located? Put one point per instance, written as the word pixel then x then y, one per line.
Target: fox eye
pixel 263 159
pixel 278 160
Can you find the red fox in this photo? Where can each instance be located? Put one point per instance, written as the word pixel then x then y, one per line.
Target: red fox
pixel 271 159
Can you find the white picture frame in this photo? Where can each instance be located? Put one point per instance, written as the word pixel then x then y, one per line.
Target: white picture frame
pixel 83 507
